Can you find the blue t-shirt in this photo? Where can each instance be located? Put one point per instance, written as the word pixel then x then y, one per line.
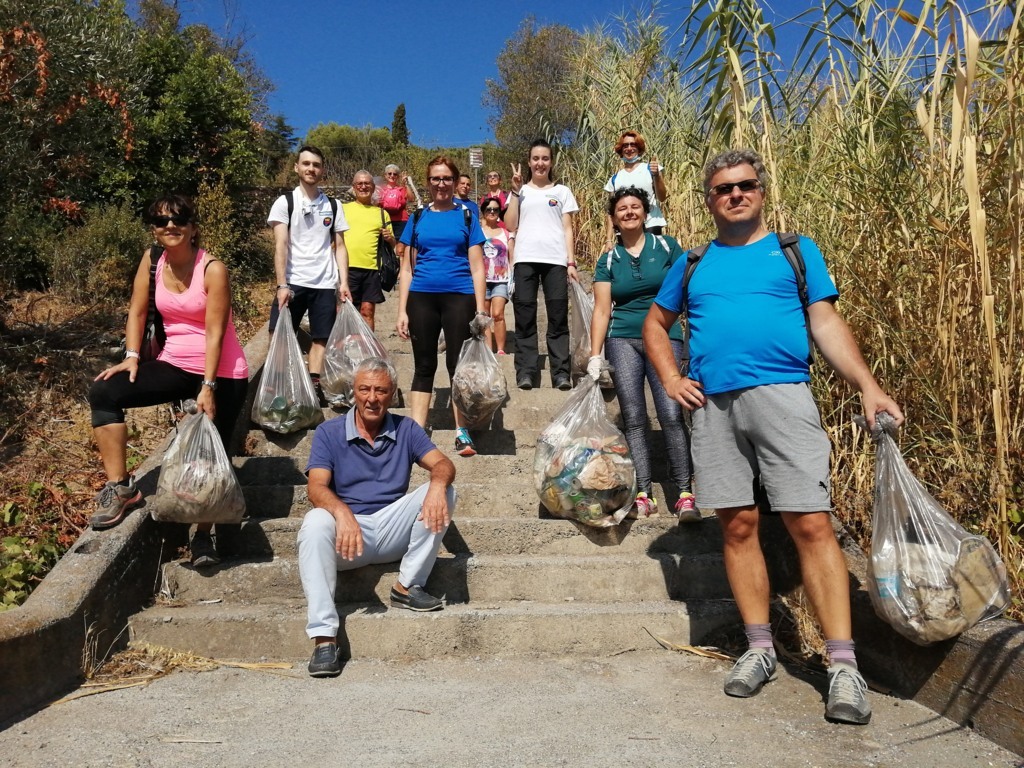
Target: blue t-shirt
pixel 747 327
pixel 468 204
pixel 635 282
pixel 368 477
pixel 442 250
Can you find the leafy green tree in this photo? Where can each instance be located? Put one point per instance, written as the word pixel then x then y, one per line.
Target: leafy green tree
pixel 529 97
pixel 348 149
pixel 399 130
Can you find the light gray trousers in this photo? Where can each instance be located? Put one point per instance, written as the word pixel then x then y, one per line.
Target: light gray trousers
pixel 390 535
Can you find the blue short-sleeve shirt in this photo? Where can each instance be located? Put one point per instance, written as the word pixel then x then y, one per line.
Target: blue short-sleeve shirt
pixel 442 250
pixel 747 327
pixel 368 477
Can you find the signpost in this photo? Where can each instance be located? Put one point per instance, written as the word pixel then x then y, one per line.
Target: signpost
pixel 476 162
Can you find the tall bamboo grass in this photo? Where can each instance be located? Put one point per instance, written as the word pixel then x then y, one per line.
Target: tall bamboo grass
pixel 894 139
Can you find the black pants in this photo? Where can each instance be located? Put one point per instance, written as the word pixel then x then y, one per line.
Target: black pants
pixel 554 280
pixel 429 314
pixel 158 382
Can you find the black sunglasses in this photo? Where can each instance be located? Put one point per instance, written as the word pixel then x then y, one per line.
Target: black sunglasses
pixel 747 185
pixel 492 209
pixel 179 220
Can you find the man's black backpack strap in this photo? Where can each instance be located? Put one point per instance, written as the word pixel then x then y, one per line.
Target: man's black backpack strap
pixel 790 244
pixel 692 260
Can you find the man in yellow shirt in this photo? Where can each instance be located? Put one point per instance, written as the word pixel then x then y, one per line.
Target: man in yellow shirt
pixel 367 223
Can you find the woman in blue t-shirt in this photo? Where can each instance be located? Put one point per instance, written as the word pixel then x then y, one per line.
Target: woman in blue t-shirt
pixel 441 287
pixel 626 280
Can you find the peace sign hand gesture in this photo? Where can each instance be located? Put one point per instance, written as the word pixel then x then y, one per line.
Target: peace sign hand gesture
pixel 517 177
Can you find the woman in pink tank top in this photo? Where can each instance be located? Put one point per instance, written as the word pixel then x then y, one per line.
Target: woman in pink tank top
pixel 201 357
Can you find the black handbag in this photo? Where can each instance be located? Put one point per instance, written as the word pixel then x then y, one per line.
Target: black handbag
pixel 388 264
pixel 154 336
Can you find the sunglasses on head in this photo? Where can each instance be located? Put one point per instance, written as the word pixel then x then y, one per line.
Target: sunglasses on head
pixel 747 185
pixel 180 220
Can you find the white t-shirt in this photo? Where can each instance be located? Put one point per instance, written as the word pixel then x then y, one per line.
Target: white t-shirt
pixel 541 235
pixel 639 177
pixel 311 261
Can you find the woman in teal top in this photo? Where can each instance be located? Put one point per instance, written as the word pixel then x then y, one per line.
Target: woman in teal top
pixel 626 280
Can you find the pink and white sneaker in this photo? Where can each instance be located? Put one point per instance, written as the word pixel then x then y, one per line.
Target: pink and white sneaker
pixel 686 508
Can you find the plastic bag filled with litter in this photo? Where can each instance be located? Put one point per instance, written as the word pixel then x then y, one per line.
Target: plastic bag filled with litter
pixel 286 400
pixel 929 578
pixel 581 313
pixel 582 469
pixel 478 385
pixel 197 482
pixel 351 341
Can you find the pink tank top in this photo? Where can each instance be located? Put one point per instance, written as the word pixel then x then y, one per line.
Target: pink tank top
pixel 184 317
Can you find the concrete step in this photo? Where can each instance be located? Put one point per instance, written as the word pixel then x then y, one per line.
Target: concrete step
pixel 516 536
pixel 277 630
pixel 463 578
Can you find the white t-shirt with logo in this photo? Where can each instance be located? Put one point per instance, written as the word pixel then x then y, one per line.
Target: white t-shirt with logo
pixel 641 178
pixel 311 262
pixel 540 238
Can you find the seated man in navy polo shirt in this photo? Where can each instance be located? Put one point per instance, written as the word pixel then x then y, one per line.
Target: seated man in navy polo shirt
pixel 359 469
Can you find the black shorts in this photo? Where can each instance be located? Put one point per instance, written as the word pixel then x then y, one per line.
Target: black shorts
pixel 365 286
pixel 321 303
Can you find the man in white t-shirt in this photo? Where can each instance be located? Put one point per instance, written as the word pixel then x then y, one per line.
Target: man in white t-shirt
pixel 312 271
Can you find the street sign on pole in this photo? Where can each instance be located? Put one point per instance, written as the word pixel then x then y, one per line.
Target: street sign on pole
pixel 476 157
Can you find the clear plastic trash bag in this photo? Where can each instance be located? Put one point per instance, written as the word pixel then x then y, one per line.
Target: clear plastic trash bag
pixel 478 385
pixel 929 578
pixel 351 341
pixel 286 400
pixel 581 313
pixel 582 469
pixel 197 482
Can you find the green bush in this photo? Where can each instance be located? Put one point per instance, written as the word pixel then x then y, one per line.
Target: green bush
pixel 97 261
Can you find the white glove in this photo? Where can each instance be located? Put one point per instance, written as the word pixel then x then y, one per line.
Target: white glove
pixel 594 366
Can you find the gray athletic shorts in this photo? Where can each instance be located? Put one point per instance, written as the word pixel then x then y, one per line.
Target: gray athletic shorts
pixel 773 431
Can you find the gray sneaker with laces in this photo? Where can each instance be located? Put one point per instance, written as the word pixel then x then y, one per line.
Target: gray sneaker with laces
pixel 748 675
pixel 113 502
pixel 847 696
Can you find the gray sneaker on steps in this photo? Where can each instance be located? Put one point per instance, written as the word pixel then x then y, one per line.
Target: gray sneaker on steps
pixel 847 696
pixel 749 674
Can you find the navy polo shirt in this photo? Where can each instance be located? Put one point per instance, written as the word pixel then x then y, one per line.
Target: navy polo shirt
pixel 369 477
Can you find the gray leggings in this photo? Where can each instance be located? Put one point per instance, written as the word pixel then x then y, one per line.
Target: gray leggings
pixel 631 367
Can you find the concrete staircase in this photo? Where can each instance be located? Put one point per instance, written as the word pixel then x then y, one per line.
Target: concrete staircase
pixel 515 580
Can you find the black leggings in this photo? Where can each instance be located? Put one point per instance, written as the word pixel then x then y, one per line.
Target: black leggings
pixel 429 314
pixel 158 382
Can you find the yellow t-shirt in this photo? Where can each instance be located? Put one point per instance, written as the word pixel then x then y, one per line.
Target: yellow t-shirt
pixel 364 225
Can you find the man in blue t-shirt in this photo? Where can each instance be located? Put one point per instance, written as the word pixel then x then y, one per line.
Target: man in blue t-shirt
pixel 359 469
pixel 754 419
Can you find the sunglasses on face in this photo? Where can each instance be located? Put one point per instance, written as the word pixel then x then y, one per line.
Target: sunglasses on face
pixel 441 179
pixel 747 185
pixel 492 210
pixel 632 144
pixel 178 219
pixel 391 173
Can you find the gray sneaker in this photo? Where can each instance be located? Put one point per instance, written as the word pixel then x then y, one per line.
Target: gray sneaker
pixel 324 662
pixel 847 696
pixel 113 502
pixel 748 675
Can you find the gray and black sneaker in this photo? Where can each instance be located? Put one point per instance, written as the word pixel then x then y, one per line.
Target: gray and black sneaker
pixel 748 675
pixel 113 502
pixel 847 696
pixel 324 661
pixel 203 552
pixel 416 600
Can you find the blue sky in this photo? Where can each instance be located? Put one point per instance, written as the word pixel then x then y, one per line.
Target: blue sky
pixel 354 62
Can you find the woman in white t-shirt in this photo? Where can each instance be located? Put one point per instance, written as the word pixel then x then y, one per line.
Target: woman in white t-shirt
pixel 540 213
pixel 648 177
